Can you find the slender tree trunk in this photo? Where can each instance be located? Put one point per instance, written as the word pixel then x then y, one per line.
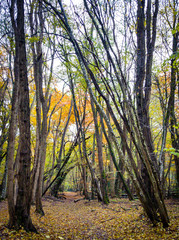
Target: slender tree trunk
pixel 84 177
pixel 41 104
pixel 36 167
pixel 111 165
pixel 53 153
pixel 103 179
pixel 57 184
pixel 12 128
pixel 111 177
pixel 174 78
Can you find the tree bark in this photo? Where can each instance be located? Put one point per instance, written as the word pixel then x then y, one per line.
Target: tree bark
pixel 143 78
pixel 41 105
pixel 103 179
pixel 173 86
pixel 20 212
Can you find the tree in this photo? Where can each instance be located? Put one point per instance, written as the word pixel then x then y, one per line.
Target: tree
pixel 146 37
pixel 173 88
pixel 19 211
pixel 42 102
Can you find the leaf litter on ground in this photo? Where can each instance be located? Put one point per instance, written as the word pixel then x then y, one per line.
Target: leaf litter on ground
pixel 83 219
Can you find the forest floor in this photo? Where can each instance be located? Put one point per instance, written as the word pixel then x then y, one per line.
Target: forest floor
pixel 66 219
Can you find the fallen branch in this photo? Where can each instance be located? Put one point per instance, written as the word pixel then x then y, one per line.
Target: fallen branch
pixel 107 220
pixel 79 199
pixel 126 209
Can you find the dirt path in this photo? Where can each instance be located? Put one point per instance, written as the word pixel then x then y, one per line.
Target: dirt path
pixel 65 196
pixel 72 195
pixel 66 219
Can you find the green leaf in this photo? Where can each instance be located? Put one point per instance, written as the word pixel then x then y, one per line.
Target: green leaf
pixel 175 153
pixel 174 31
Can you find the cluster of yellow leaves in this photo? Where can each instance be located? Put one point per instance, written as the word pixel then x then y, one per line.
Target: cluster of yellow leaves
pixel 4 69
pixel 121 219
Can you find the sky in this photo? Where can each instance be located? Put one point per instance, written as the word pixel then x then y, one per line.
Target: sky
pixel 73 1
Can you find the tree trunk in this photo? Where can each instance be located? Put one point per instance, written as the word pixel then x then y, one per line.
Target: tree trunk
pixel 111 165
pixel 143 77
pixel 59 161
pixel 56 136
pixel 12 128
pixel 20 213
pixel 36 166
pixel 173 85
pixel 103 179
pixel 41 103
